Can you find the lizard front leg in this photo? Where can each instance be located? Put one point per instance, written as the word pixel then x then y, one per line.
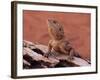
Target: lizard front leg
pixel 49 49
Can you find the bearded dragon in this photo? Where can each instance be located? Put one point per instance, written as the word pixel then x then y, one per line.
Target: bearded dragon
pixel 58 42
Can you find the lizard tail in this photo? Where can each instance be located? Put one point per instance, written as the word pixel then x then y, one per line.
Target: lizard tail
pixel 76 54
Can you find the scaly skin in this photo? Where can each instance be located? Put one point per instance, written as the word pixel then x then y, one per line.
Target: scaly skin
pixel 58 43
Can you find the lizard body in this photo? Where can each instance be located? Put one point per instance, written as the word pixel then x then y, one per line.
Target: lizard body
pixel 58 43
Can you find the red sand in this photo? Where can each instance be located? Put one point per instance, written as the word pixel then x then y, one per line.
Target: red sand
pixel 76 27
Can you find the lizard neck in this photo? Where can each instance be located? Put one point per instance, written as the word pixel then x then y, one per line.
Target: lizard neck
pixel 58 39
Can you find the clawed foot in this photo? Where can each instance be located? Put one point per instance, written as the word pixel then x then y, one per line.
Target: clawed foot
pixel 47 55
pixel 70 58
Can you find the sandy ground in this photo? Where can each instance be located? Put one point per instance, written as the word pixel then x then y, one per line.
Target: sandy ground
pixel 76 27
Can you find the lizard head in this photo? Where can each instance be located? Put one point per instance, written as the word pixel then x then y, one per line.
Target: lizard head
pixel 55 29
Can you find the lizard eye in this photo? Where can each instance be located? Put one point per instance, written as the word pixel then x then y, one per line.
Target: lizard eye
pixel 54 22
pixel 60 29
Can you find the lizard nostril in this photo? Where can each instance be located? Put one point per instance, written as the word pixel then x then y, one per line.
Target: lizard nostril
pixel 48 19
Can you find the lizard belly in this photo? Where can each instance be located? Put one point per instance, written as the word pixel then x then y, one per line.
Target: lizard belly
pixel 57 49
pixel 55 46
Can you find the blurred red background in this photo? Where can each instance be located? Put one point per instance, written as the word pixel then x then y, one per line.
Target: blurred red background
pixel 76 27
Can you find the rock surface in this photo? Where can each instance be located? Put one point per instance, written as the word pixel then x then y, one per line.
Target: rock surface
pixel 33 57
